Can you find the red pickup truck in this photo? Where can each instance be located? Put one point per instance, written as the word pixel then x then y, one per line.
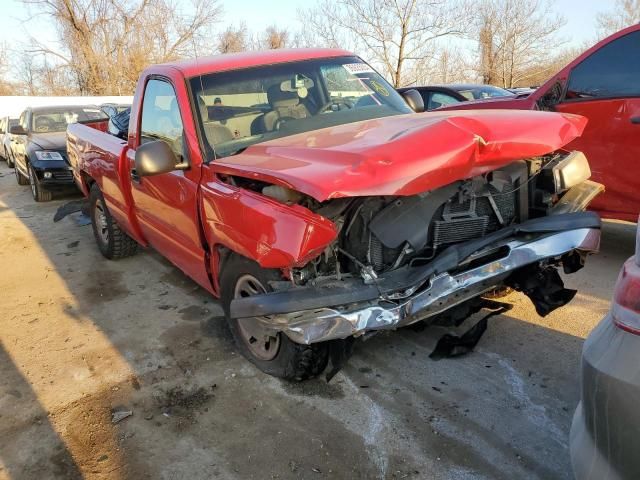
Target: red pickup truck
pixel 602 85
pixel 300 188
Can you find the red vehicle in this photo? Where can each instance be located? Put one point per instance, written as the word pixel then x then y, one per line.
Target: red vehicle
pixel 602 85
pixel 299 187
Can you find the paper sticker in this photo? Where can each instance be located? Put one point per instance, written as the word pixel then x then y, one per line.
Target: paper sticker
pixel 379 88
pixel 355 68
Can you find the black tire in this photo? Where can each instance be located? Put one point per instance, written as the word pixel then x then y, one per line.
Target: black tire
pixel 21 179
pixel 291 361
pixel 112 241
pixel 9 159
pixel 39 193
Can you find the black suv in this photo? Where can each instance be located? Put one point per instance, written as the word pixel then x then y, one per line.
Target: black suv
pixel 40 146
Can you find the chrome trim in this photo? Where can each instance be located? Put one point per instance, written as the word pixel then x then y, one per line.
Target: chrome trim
pixel 444 292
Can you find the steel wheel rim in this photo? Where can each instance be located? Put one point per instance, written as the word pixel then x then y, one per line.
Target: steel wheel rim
pixel 32 182
pixel 102 227
pixel 263 342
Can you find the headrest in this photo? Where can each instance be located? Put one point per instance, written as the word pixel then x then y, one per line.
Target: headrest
pixel 278 98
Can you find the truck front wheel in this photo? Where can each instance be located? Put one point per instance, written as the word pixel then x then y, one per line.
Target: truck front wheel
pixel 271 351
pixel 112 241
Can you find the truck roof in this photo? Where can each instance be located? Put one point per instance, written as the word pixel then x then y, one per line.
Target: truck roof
pixel 232 61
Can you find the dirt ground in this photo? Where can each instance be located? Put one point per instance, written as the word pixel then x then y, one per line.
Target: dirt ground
pixel 84 340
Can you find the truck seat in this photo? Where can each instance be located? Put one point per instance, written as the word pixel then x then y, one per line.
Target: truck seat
pixel 284 105
pixel 214 132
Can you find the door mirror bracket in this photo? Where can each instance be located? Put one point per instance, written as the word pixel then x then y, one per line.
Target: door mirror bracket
pixel 155 158
pixel 414 100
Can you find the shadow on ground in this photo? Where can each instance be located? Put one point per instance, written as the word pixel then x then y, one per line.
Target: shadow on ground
pixel 136 335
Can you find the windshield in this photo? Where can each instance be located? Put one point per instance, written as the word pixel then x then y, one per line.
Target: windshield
pixel 484 91
pixel 57 119
pixel 240 108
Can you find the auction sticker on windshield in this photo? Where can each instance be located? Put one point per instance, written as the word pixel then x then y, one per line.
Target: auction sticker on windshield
pixel 355 68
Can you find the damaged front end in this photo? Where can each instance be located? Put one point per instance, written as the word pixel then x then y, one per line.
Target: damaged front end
pixel 398 260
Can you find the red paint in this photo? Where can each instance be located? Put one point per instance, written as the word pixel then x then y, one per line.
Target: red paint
pixel 610 141
pixel 188 215
pixel 402 155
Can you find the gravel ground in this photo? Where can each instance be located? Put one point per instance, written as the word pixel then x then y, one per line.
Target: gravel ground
pixel 82 339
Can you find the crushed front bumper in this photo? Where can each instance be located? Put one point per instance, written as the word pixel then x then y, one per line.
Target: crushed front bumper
pixel 476 272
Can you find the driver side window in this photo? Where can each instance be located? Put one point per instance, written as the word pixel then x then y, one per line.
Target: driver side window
pixel 161 116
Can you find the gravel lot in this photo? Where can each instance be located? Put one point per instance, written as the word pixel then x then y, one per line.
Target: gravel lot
pixel 82 338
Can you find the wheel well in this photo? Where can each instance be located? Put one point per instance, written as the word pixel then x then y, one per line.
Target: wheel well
pixel 87 181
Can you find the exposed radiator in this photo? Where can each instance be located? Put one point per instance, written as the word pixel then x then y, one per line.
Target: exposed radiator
pixel 459 230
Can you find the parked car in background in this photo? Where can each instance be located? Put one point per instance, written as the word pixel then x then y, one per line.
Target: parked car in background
pixel 112 109
pixel 436 96
pixel 7 139
pixel 604 433
pixel 522 91
pixel 40 151
pixel 319 207
pixel 602 85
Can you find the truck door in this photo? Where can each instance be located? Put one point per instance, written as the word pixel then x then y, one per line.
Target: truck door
pixel 605 88
pixel 166 205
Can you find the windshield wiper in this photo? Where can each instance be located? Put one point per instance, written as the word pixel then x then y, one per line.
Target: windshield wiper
pixel 236 152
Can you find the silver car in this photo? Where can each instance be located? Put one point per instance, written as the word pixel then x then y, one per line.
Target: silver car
pixel 6 139
pixel 606 425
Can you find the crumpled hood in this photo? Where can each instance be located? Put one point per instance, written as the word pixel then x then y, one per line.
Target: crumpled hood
pixel 405 154
pixel 49 141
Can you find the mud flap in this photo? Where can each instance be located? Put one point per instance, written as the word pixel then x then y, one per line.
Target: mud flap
pixel 339 352
pixel 544 287
pixel 451 345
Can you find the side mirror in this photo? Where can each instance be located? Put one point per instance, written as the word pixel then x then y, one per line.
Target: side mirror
pixel 17 130
pixel 155 158
pixel 414 100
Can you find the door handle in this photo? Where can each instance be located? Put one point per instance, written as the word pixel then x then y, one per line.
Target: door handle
pixel 134 175
pixel 635 120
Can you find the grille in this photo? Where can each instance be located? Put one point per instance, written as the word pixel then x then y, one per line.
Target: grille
pixel 63 175
pixel 459 230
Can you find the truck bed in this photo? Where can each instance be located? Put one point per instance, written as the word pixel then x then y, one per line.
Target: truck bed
pixel 98 155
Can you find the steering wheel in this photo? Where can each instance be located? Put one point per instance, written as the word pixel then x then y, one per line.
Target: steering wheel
pixel 327 106
pixel 43 124
pixel 281 121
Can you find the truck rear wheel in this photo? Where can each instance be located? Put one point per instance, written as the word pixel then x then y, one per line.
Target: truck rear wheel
pixel 112 241
pixel 271 351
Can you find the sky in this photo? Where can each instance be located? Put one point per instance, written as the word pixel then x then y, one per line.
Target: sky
pixel 15 24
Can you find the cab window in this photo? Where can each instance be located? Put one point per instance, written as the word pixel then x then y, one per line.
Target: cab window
pixel 611 71
pixel 161 116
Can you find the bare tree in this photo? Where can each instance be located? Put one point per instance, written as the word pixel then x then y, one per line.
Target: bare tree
pixel 623 14
pixel 6 87
pixel 396 35
pixel 107 43
pixel 233 39
pixel 273 38
pixel 516 39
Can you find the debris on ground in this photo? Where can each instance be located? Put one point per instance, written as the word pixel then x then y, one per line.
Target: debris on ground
pixel 453 345
pixel 119 415
pixel 80 219
pixel 177 397
pixel 71 207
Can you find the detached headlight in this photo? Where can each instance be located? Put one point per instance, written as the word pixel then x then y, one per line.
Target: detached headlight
pixel 45 155
pixel 572 170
